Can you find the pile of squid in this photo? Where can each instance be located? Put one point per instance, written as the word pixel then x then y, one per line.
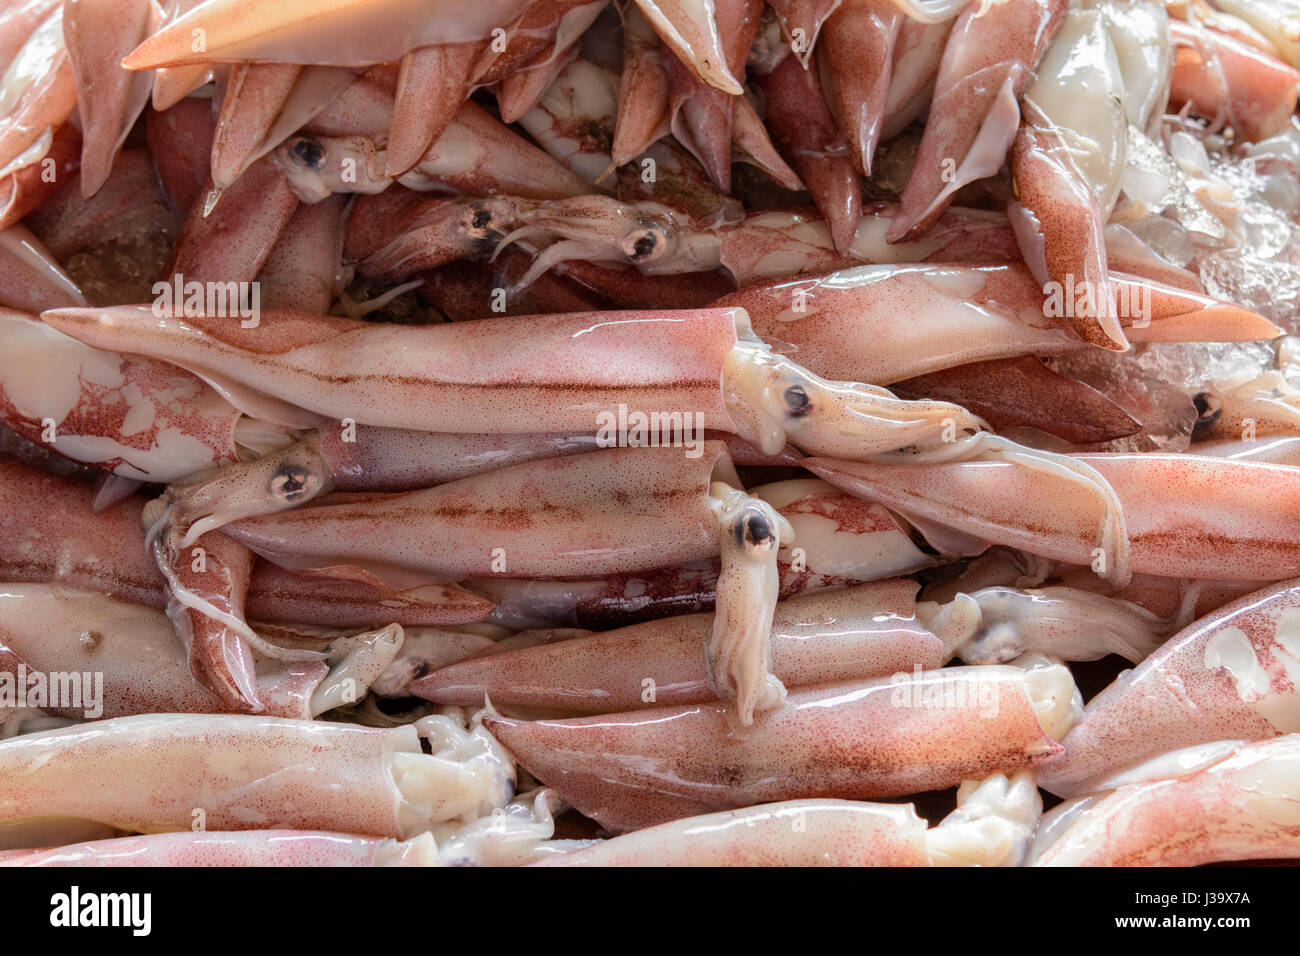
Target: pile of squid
pixel 649 432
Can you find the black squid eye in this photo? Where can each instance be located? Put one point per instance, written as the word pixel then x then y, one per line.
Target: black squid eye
pixel 1208 409
pixel 649 241
pixel 291 482
pixel 796 400
pixel 308 152
pixel 755 530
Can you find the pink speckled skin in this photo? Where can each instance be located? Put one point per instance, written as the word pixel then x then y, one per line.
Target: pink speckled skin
pixel 303 268
pixel 109 98
pixel 1188 516
pixel 1183 694
pixel 1241 808
pixel 246 848
pixel 608 511
pixel 638 769
pixel 807 16
pixel 26 189
pixel 144 666
pixel 690 29
pixel 857 45
pixel 883 324
pixel 232 243
pixel 151 772
pixel 642 89
pixel 989 58
pixel 318 31
pixel 512 374
pixel 862 632
pixel 802 126
pixel 794 833
pixel 431 85
pixel 1062 225
pixel 177 404
pixel 49 535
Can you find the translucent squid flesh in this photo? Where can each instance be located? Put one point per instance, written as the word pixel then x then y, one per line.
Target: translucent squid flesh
pixel 1187 516
pixel 1229 676
pixel 554 517
pixel 161 772
pixel 987 64
pixel 50 535
pixel 940 316
pixel 296 848
pixel 872 739
pixel 991 826
pixel 53 630
pixel 1214 809
pixel 871 630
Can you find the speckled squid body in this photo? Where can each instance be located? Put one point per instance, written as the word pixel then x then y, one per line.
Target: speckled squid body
pixel 1188 516
pixel 872 739
pixel 602 512
pixel 867 631
pixel 153 772
pixel 1231 676
pixel 531 374
pixel 1239 807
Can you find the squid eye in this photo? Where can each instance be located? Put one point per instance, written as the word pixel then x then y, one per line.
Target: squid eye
pixel 796 400
pixel 1208 409
pixel 649 241
pixel 483 220
pixel 291 483
pixel 755 530
pixel 308 152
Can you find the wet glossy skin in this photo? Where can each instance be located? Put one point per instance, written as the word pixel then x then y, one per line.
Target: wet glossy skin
pixel 637 769
pixel 1229 676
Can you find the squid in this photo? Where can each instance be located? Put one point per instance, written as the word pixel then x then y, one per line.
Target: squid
pixel 1228 676
pixel 655 239
pixel 513 835
pixel 37 93
pixel 1227 802
pixel 886 323
pixel 842 541
pixel 900 735
pixel 992 826
pixel 803 126
pixel 51 536
pixel 333 32
pixel 160 772
pixel 706 362
pixel 867 631
pixel 109 99
pixel 690 29
pixel 857 52
pixel 1187 516
pixel 1232 83
pixel 988 63
pixel 294 848
pixel 1107 71
pixel 51 629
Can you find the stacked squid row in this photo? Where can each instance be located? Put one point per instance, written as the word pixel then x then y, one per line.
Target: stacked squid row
pixel 578 432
